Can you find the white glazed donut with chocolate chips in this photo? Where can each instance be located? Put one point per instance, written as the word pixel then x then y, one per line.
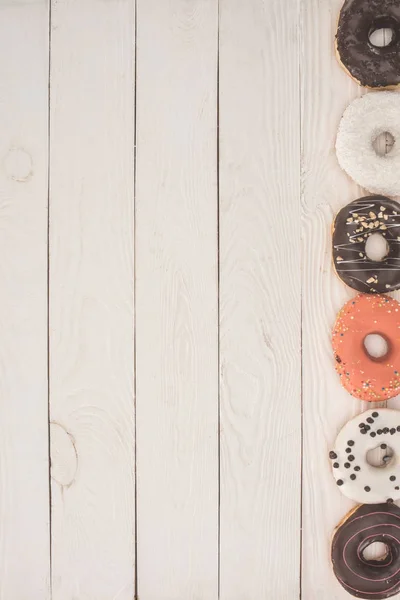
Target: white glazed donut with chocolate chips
pixel 356 478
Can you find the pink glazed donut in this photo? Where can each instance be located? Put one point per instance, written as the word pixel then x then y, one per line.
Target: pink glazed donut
pixel 365 377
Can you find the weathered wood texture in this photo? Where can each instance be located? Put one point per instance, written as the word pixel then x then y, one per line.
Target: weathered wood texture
pixel 177 300
pixel 91 299
pixel 24 465
pixel 260 299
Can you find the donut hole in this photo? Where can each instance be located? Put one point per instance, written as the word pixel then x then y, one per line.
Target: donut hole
pixel 380 457
pixel 375 551
pixel 382 34
pixel 381 37
pixel 376 247
pixel 376 346
pixel 383 143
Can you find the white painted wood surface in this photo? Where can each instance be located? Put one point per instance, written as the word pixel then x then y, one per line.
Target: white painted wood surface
pixel 191 299
pixel 260 299
pixel 91 300
pixel 177 300
pixel 24 467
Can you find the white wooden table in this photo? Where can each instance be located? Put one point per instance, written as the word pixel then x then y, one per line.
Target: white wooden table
pixel 168 397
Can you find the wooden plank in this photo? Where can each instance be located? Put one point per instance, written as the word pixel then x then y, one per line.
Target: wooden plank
pixel 91 299
pixel 260 300
pixel 326 91
pixel 24 462
pixel 176 308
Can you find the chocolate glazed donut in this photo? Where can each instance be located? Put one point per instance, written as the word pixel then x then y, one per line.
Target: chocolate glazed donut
pixel 352 227
pixel 374 579
pixel 371 66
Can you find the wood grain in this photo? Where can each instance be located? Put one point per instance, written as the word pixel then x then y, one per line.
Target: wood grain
pixel 260 300
pixel 91 300
pixel 326 92
pixel 24 463
pixel 176 300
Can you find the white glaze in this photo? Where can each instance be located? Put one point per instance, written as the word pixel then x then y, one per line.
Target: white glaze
pixel 362 122
pixel 377 478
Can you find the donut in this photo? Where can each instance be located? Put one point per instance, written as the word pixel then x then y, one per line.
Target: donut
pixel 353 225
pixel 356 478
pixel 365 377
pixel 364 525
pixel 362 122
pixel 370 66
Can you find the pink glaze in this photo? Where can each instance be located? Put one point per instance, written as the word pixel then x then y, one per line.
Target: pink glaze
pixel 365 377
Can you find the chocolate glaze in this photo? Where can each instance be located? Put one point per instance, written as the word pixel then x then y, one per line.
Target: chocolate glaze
pixel 374 579
pixel 352 227
pixel 370 65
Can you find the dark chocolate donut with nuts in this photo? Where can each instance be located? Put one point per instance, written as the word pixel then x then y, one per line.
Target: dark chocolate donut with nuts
pixel 353 225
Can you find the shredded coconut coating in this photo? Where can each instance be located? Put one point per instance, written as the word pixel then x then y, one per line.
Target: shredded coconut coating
pixel 362 122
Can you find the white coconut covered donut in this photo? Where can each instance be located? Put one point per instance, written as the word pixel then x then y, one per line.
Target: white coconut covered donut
pixel 362 122
pixel 357 479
